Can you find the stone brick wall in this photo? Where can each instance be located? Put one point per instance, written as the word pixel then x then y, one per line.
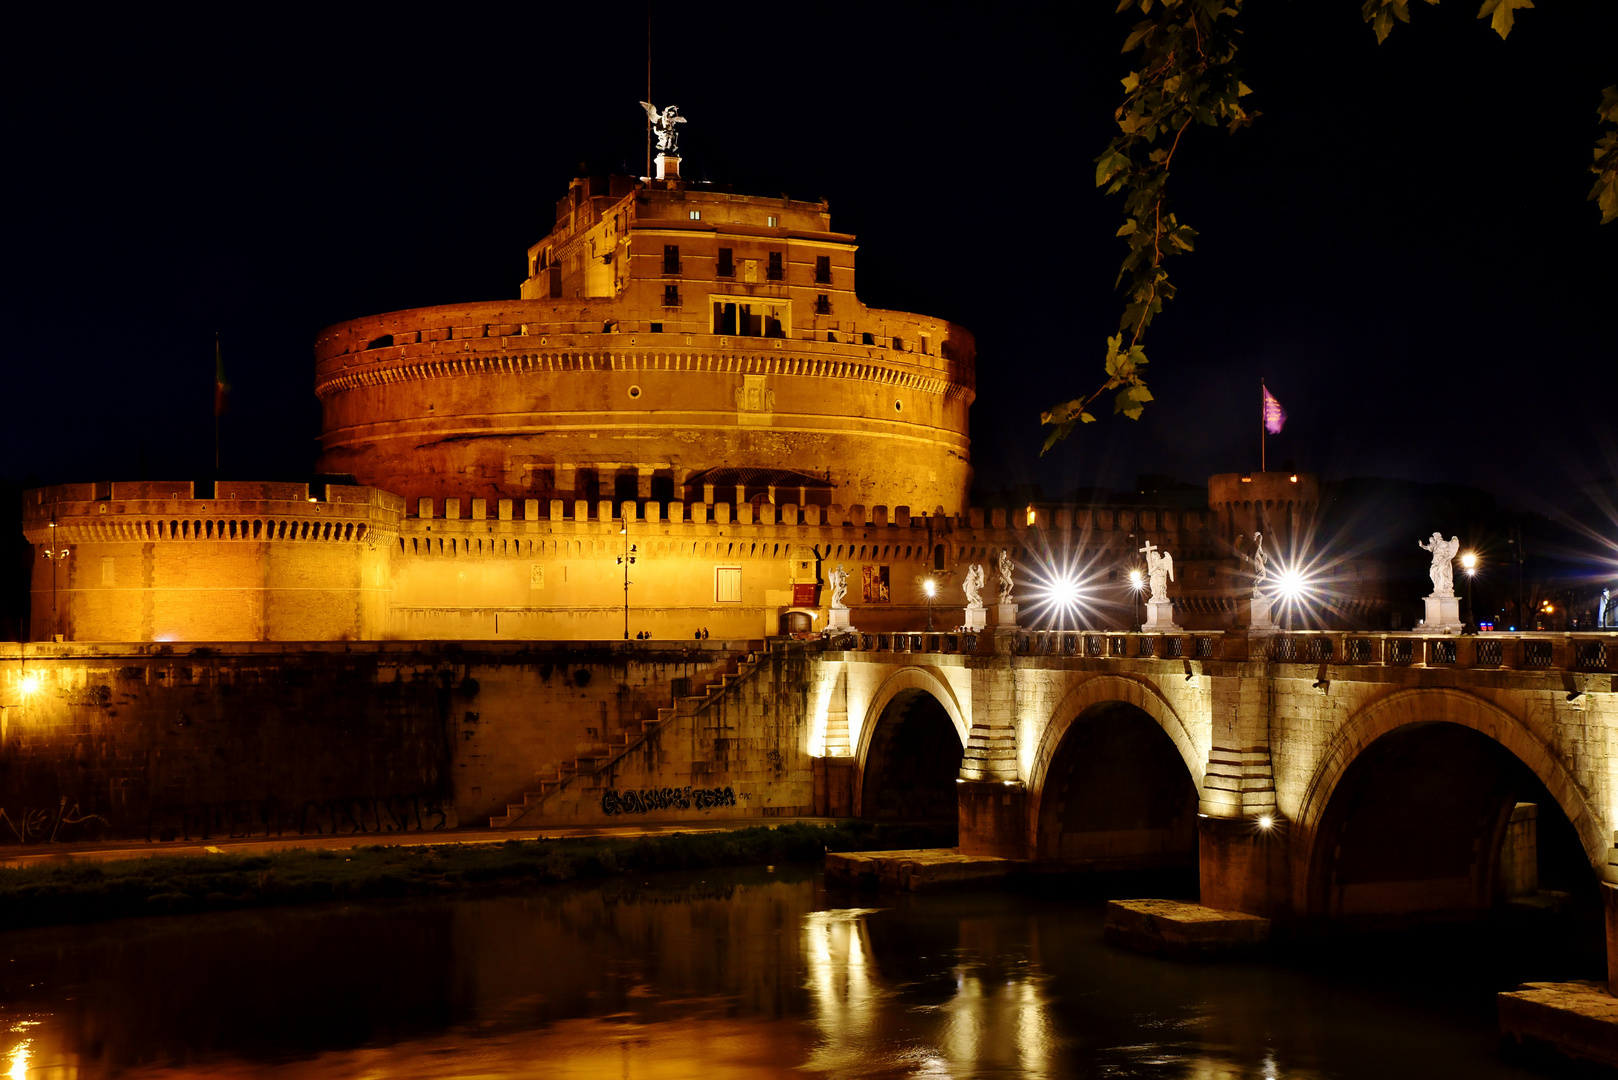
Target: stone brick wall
pixel 248 739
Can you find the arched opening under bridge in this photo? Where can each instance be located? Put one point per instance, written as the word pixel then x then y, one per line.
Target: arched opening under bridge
pixel 1436 818
pixel 912 761
pixel 1117 795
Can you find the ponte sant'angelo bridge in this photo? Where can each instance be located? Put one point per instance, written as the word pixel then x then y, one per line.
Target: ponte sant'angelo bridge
pixel 1306 774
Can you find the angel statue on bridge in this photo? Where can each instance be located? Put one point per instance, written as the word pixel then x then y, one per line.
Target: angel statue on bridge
pixel 1442 571
pixel 1259 561
pixel 973 585
pixel 1007 568
pixel 838 580
pixel 1159 571
pixel 663 125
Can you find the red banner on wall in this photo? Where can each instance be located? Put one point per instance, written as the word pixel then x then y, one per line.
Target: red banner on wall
pixel 804 595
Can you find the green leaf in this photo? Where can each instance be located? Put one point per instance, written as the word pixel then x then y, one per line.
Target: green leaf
pixel 1131 82
pixel 1110 165
pixel 1131 401
pixel 1242 89
pixel 1127 227
pixel 1501 14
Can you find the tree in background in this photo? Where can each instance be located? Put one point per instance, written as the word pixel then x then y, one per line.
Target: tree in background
pixel 1188 74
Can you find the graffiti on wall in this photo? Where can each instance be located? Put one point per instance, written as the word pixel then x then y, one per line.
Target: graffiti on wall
pixel 57 824
pixel 647 800
pixel 325 817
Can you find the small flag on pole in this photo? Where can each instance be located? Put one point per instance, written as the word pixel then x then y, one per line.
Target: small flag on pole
pixel 221 388
pixel 1274 416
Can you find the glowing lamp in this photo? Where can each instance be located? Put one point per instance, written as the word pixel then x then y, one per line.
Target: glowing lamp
pixel 30 684
pixel 1265 821
pixel 1135 579
pixel 1290 584
pixel 930 587
pixel 1031 515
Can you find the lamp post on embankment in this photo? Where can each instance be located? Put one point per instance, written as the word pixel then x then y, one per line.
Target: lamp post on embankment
pixel 626 560
pixel 57 552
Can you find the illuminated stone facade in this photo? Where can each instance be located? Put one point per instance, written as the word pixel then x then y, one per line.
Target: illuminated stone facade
pixel 688 372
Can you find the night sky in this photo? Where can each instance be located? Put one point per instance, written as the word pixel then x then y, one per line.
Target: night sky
pixel 1401 245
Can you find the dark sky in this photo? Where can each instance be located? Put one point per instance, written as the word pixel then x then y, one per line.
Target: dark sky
pixel 1401 245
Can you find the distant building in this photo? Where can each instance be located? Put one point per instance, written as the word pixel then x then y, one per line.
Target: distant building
pixel 688 373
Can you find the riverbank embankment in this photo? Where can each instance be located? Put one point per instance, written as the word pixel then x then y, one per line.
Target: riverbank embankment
pixel 82 890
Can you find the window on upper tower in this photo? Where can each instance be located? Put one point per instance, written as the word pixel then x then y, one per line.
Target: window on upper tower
pixel 774 221
pixel 671 296
pixel 727 263
pixel 867 338
pixel 671 258
pixel 776 270
pixel 822 269
pixel 822 304
pixel 695 215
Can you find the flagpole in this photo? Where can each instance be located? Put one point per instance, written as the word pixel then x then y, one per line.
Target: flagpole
pixel 216 406
pixel 1262 429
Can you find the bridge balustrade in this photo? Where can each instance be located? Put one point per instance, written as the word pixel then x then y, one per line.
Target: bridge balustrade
pixel 920 642
pixel 1560 651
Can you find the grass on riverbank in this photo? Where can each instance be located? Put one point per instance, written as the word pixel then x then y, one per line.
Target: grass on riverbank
pixel 84 891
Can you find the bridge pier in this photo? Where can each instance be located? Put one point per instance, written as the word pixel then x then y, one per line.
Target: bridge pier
pixel 1609 898
pixel 1242 867
pixel 993 818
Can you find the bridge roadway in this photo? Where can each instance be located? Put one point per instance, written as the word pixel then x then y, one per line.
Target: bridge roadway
pixel 1307 775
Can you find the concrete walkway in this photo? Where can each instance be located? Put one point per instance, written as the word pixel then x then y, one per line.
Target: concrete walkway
pixel 111 851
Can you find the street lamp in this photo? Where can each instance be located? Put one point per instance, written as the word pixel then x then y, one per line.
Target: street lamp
pixel 930 587
pixel 1137 581
pixel 56 553
pixel 1469 563
pixel 626 560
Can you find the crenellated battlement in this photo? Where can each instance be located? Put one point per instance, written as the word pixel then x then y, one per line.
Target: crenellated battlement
pixel 148 511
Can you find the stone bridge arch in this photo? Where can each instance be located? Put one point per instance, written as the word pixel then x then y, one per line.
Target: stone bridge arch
pixel 1407 709
pixel 895 699
pixel 1082 703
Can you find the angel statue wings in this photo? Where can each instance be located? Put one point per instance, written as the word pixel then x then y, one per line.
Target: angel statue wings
pixel 663 125
pixel 1007 568
pixel 1442 571
pixel 973 585
pixel 1159 571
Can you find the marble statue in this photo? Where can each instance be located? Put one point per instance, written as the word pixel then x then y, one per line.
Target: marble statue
pixel 838 579
pixel 1159 572
pixel 1604 614
pixel 663 126
pixel 973 585
pixel 1259 561
pixel 1442 570
pixel 1007 568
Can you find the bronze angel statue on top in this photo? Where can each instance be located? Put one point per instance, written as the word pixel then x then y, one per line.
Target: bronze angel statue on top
pixel 663 125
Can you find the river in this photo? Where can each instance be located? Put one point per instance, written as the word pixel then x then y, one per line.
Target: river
pixel 717 974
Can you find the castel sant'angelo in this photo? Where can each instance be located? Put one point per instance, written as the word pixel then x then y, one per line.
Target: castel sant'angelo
pixel 689 378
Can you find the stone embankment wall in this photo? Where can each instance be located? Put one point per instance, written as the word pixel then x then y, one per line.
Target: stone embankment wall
pixel 236 739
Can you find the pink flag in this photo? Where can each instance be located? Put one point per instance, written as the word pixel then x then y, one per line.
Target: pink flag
pixel 1274 415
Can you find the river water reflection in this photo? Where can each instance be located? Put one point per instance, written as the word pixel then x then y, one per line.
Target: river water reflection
pixel 741 974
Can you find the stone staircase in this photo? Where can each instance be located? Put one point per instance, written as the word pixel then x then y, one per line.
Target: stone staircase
pixel 604 755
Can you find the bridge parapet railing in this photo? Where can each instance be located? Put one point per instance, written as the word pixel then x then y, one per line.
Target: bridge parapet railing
pixel 1528 652
pixel 952 641
pixel 1114 644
